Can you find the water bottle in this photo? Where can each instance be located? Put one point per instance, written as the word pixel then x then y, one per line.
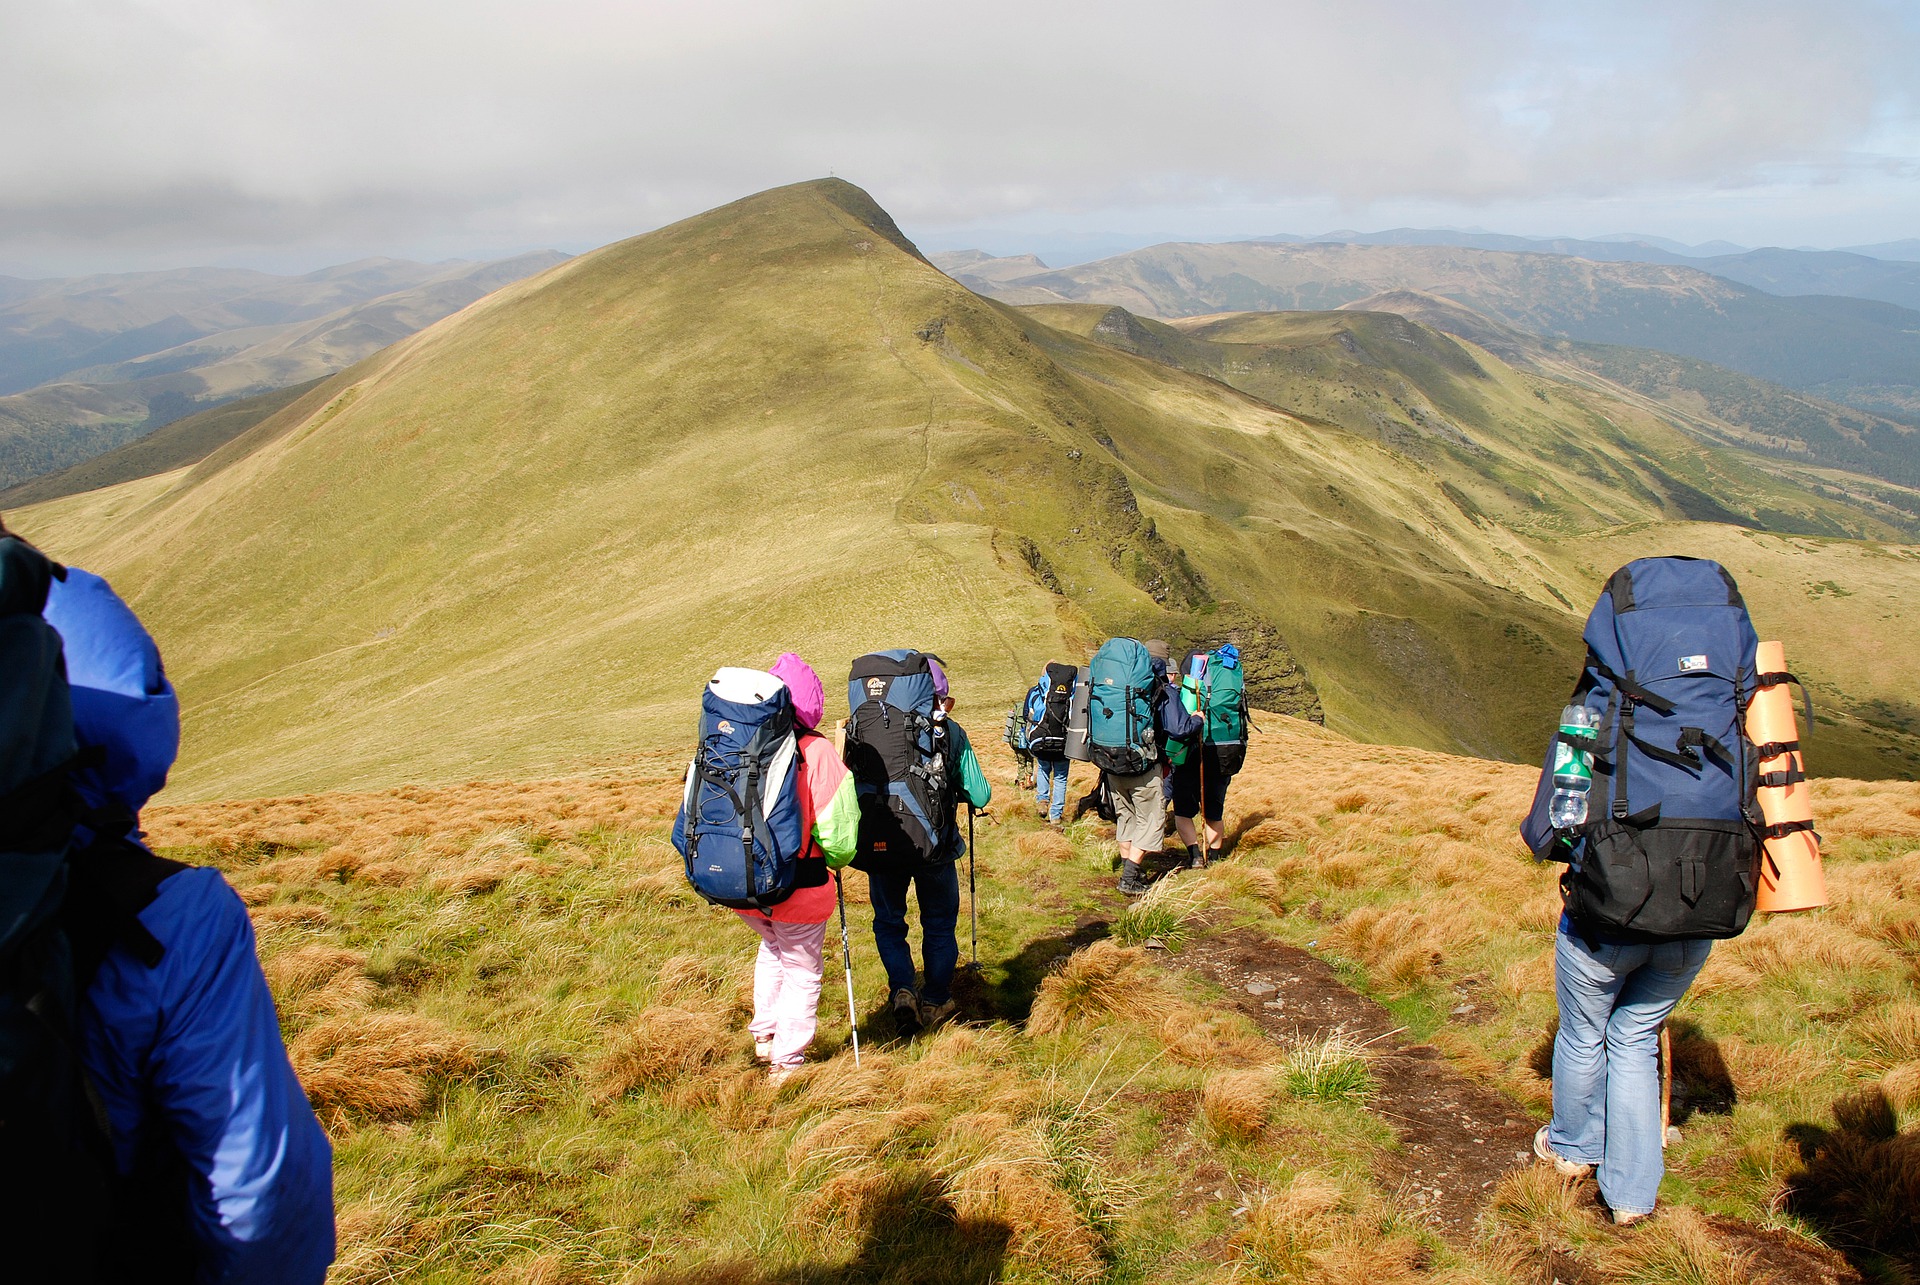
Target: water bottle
pixel 1572 767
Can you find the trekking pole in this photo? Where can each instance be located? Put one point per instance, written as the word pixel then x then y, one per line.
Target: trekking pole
pixel 846 969
pixel 973 918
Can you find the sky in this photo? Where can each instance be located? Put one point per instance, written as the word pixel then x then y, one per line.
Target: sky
pixel 290 134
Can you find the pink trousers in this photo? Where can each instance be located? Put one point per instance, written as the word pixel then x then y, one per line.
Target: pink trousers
pixel 786 985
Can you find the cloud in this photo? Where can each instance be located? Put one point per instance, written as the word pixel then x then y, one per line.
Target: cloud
pixel 165 125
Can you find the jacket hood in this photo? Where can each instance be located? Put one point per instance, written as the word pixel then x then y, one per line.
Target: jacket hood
pixel 809 697
pixel 122 701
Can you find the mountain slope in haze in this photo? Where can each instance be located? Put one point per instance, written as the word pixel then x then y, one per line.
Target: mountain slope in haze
pixel 1858 352
pixel 1715 403
pixel 137 380
pixel 177 445
pixel 523 537
pixel 1852 274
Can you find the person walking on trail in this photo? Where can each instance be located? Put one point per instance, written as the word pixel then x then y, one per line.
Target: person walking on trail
pixel 213 1166
pixel 1046 715
pixel 1217 693
pixel 1647 793
pixel 789 967
pixel 1139 799
pixel 932 876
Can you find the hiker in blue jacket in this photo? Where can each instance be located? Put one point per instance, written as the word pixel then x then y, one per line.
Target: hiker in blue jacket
pixel 220 1163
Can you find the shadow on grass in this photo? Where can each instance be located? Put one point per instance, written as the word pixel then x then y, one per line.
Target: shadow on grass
pixel 1859 1184
pixel 1702 1084
pixel 909 1233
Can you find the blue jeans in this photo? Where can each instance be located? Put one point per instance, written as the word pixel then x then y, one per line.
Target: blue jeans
pixel 938 889
pixel 1051 773
pixel 1606 1068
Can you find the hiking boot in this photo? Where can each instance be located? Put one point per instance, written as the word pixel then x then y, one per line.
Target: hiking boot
pixel 1131 884
pixel 1196 857
pixel 906 1013
pixel 935 1016
pixel 1623 1219
pixel 779 1075
pixel 1561 1165
pixel 763 1049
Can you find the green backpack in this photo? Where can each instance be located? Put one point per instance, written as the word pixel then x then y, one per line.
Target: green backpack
pixel 1213 684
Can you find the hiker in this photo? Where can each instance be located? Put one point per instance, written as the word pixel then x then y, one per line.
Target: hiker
pixel 788 969
pixel 1213 686
pixel 1136 713
pixel 212 1166
pixel 1647 795
pixel 913 766
pixel 1047 712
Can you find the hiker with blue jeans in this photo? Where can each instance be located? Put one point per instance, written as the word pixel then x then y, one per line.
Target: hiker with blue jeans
pixel 1613 996
pixel 936 885
pixel 1050 790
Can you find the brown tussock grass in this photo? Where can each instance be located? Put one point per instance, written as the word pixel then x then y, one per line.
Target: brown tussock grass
pixel 660 1046
pixel 1893 1035
pixel 1275 831
pixel 1044 845
pixel 292 973
pixel 1103 980
pixel 1396 945
pixel 1677 1246
pixel 377 1066
pixel 1901 1086
pixel 1310 1232
pixel 1236 1104
pixel 1785 945
pixel 1530 1212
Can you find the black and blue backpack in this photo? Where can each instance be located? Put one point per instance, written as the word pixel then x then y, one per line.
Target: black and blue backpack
pixel 1048 706
pixel 897 750
pixel 1120 728
pixel 740 825
pixel 1671 844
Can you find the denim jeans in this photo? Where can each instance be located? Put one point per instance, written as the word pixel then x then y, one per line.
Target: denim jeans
pixel 1606 1071
pixel 938 890
pixel 1052 771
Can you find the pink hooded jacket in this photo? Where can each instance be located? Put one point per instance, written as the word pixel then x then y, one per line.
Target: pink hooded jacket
pixel 825 815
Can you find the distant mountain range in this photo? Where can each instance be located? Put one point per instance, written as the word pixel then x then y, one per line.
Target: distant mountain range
pixel 1860 352
pixel 89 363
pixel 521 539
pixel 1852 274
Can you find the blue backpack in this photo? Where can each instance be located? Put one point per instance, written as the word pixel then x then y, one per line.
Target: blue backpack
pixel 1670 847
pixel 897 750
pixel 740 825
pixel 1120 708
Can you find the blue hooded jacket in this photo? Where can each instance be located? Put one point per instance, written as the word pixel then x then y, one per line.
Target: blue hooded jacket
pixel 187 1053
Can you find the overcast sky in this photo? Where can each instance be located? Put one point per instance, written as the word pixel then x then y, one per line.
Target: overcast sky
pixel 289 134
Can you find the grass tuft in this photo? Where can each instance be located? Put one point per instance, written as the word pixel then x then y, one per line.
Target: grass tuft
pixel 1331 1070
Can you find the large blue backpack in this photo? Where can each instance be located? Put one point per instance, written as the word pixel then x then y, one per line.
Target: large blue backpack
pixel 740 825
pixel 1670 847
pixel 1120 708
pixel 897 750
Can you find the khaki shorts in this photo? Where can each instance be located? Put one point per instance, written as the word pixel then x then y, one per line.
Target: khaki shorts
pixel 1139 810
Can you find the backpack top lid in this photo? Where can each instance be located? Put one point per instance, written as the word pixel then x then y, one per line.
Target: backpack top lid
pixel 1664 617
pixel 122 701
pixel 900 677
pixel 1227 656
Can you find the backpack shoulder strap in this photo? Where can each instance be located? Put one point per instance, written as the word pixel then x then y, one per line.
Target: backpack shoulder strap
pixel 112 881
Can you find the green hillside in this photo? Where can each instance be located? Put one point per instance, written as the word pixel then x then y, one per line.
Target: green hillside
pixel 520 539
pixel 1860 352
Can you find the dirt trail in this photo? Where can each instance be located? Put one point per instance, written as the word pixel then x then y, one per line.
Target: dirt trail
pixel 1457 1138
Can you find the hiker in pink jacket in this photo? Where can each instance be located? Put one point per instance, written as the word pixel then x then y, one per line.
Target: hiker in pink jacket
pixel 786 976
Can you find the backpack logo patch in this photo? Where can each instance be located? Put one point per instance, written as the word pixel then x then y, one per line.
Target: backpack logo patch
pixel 876 688
pixel 724 726
pixel 1688 664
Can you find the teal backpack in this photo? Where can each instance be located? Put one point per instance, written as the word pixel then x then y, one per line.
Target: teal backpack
pixel 1214 685
pixel 1120 708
